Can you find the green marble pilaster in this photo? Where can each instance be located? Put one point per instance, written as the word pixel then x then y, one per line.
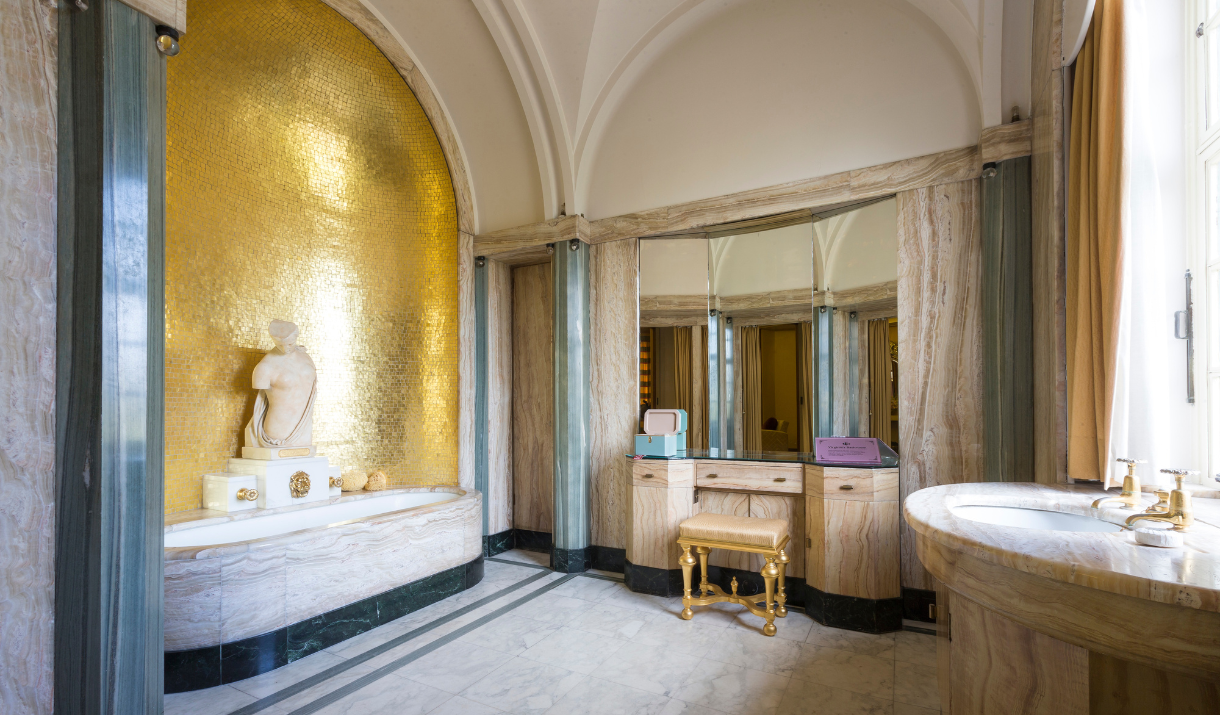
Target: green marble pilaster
pixel 571 531
pixel 1008 417
pixel 824 371
pixel 109 362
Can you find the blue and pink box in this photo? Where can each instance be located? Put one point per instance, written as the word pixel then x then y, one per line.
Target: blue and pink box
pixel 664 434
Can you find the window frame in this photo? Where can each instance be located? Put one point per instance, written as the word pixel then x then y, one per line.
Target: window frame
pixel 1203 220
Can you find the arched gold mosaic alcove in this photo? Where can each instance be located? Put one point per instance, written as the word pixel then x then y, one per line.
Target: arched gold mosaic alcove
pixel 305 183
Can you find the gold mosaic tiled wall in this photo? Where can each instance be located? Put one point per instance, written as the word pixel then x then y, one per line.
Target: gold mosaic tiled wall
pixel 305 183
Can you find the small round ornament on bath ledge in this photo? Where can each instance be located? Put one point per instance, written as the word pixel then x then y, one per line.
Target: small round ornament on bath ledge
pixel 354 480
pixel 377 482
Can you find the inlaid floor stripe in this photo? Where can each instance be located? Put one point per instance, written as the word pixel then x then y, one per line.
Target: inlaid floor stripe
pixel 527 564
pixel 363 682
pixel 348 664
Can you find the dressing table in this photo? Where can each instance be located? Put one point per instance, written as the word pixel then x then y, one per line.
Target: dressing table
pixel 843 525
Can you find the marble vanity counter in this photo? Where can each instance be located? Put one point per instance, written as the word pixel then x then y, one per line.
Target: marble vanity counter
pixel 1098 590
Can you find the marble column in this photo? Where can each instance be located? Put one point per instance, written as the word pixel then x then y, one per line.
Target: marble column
pixel 572 527
pixel 1008 357
pixel 824 371
pixel 110 363
pixel 480 385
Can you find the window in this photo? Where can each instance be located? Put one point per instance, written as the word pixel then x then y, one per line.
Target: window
pixel 1203 145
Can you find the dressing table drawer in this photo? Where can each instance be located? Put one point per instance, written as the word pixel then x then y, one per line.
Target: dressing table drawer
pixel 756 477
pixel 662 473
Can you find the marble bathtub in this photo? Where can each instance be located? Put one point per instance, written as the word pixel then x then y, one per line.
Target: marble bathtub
pixel 252 591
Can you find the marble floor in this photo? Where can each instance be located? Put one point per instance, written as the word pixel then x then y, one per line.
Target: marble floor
pixel 528 640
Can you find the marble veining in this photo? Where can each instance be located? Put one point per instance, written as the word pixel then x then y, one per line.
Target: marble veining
pixel 533 399
pixel 1113 562
pixel 614 375
pixel 224 593
pixel 499 397
pixel 940 341
pixel 466 366
pixel 28 62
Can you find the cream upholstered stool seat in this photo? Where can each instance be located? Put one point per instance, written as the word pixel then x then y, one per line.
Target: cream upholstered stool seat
pixel 736 533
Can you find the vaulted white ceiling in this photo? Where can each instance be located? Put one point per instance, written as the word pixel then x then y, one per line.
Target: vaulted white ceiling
pixel 533 86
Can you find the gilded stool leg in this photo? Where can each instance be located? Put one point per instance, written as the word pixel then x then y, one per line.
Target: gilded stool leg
pixel 703 551
pixel 770 572
pixel 781 594
pixel 687 562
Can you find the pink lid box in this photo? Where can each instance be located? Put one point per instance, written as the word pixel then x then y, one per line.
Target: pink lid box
pixel 664 421
pixel 847 450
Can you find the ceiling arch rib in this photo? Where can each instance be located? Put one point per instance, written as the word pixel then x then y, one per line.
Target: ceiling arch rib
pixel 573 60
pixel 503 30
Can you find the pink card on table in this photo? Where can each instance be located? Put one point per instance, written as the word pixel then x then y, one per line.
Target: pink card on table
pixel 847 450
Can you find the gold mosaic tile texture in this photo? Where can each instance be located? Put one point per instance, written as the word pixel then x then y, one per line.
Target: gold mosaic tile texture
pixel 305 183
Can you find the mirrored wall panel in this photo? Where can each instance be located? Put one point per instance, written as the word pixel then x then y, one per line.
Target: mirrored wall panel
pixel 674 331
pixel 777 334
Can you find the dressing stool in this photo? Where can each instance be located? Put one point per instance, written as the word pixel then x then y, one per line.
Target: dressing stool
pixel 768 537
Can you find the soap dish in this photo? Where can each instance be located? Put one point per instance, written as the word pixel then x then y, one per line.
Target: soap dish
pixel 1158 537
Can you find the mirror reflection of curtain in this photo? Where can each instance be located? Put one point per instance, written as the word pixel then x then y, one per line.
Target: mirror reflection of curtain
pixel 682 370
pixel 702 442
pixel 879 380
pixel 750 362
pixel 698 403
pixel 804 385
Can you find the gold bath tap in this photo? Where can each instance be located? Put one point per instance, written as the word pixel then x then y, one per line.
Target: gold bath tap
pixel 1131 486
pixel 1178 511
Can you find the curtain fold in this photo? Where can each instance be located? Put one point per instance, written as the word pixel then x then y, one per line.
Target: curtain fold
pixel 705 375
pixel 1096 174
pixel 879 380
pixel 682 369
pixel 698 400
pixel 804 385
pixel 750 363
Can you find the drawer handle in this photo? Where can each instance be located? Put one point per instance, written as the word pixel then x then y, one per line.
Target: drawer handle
pixel 846 487
pixel 781 479
pixel 648 476
pixel 711 476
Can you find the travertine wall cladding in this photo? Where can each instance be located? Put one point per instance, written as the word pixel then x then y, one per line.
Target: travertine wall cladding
pixel 940 346
pixel 305 182
pixel 614 348
pixel 28 56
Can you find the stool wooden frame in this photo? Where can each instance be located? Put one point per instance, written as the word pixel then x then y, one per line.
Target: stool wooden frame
pixel 772 602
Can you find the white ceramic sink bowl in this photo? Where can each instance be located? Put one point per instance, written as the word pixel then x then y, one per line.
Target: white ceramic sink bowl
pixel 1032 518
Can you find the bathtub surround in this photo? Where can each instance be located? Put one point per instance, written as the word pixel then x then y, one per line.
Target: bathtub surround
pixel 208 667
pixel 232 591
pixel 109 362
pixel 572 529
pixel 238 609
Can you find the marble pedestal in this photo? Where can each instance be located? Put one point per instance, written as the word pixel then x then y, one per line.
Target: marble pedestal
pixel 278 452
pixel 274 477
pixel 220 491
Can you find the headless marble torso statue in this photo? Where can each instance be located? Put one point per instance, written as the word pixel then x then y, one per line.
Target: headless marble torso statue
pixel 287 383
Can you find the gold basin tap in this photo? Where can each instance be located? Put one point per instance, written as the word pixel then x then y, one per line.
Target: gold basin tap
pixel 1130 495
pixel 1179 511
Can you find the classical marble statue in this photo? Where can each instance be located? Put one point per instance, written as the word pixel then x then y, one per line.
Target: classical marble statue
pixel 287 384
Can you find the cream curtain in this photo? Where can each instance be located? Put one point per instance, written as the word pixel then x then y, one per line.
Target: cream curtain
pixel 804 384
pixel 750 363
pixel 880 382
pixel 1096 170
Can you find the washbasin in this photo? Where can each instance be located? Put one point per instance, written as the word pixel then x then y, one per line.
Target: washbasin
pixel 1032 518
